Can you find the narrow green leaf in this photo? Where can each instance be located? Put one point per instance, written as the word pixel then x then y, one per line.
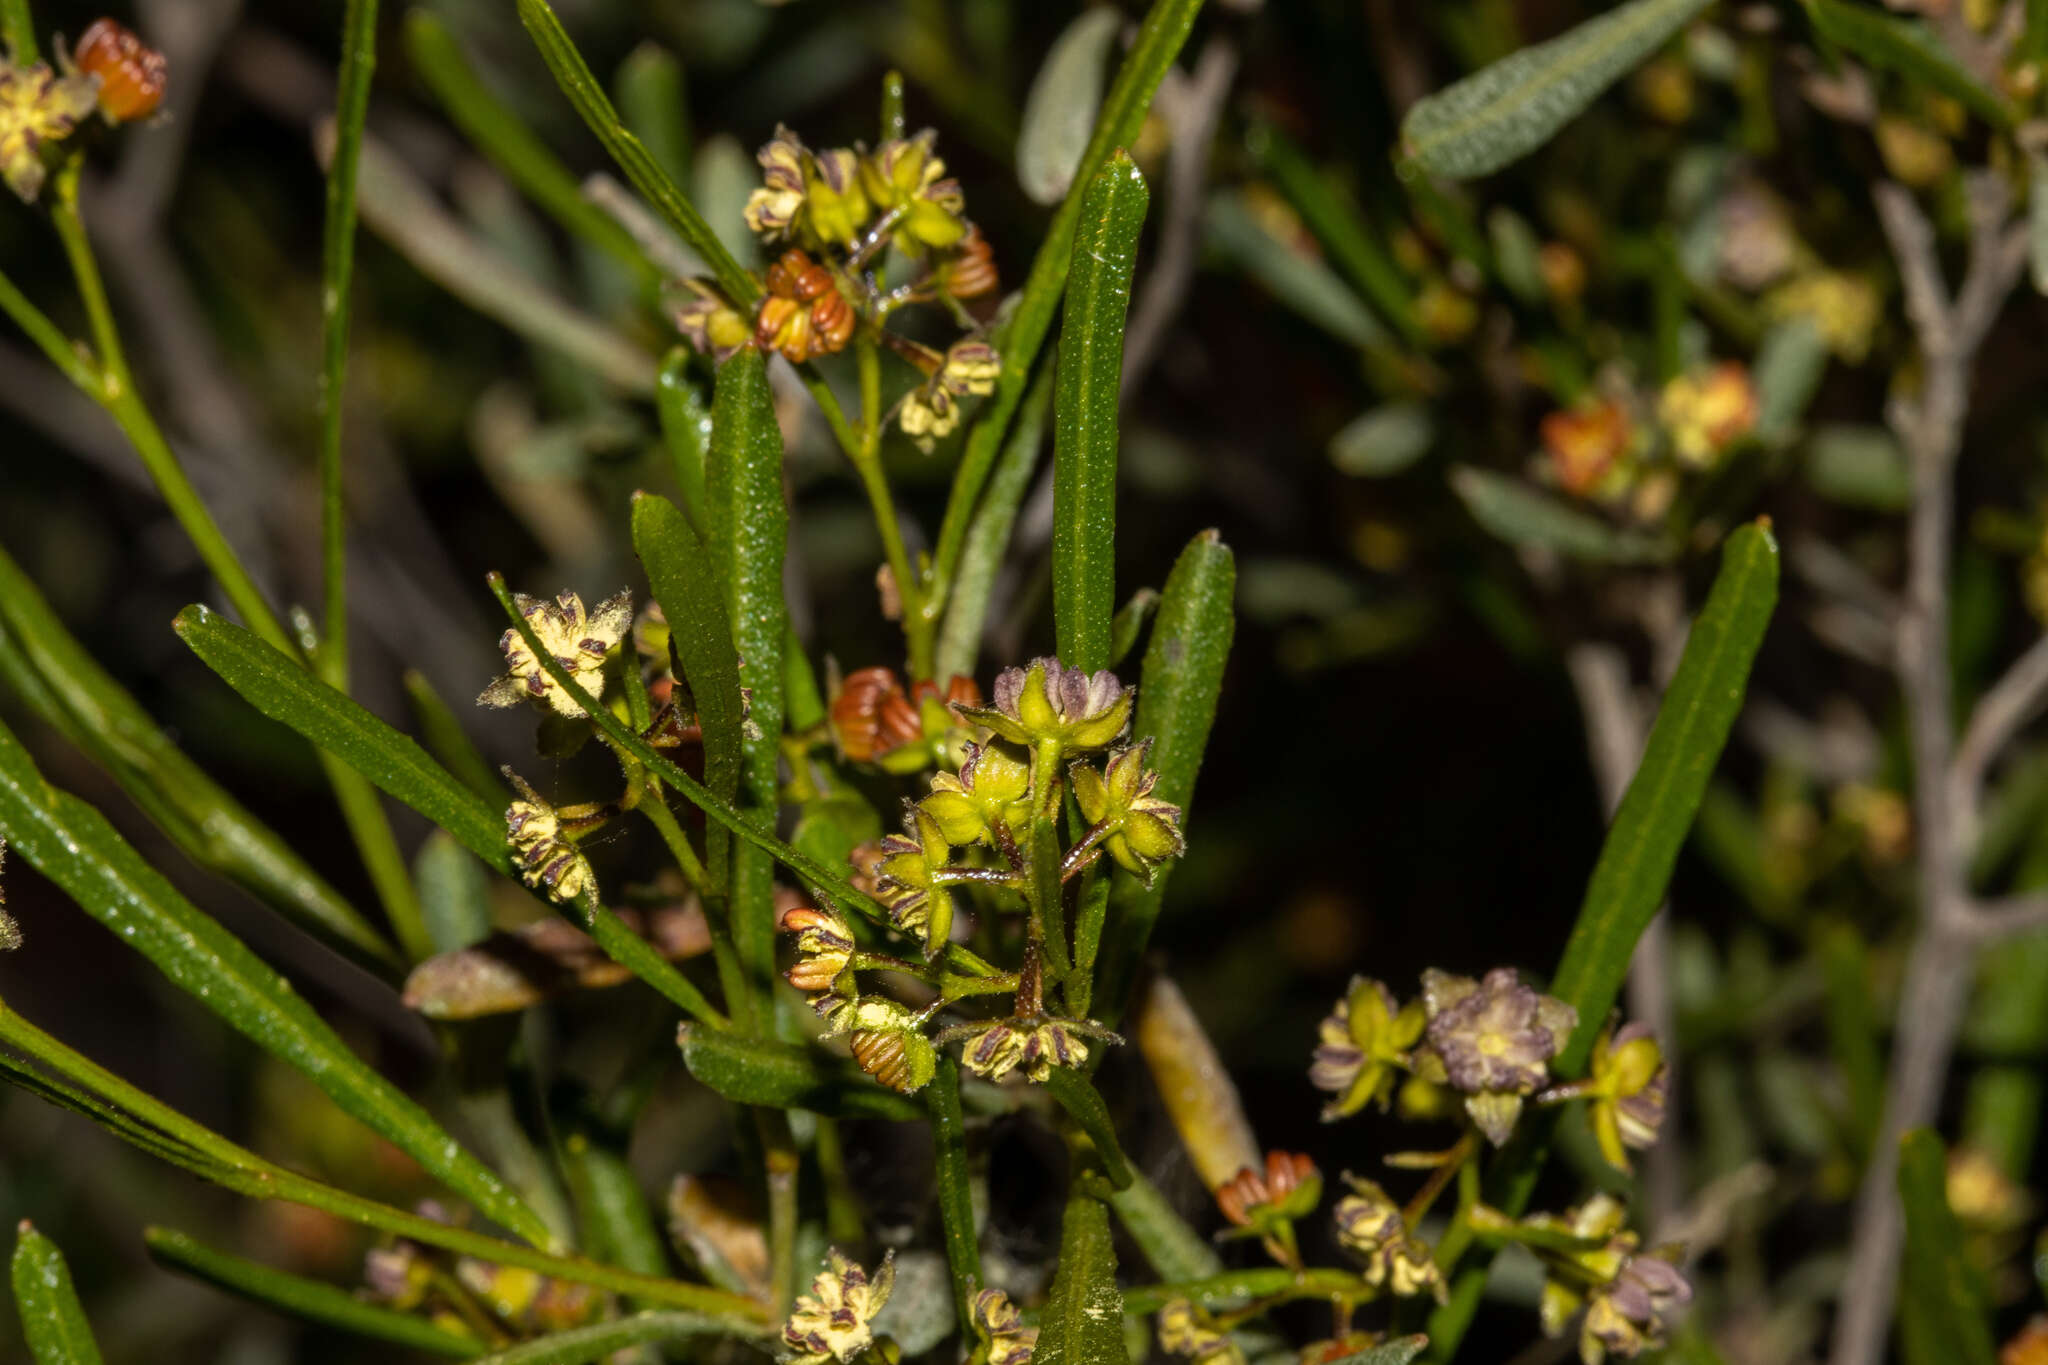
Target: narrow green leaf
pixel 618 1227
pixel 1521 515
pixel 1289 273
pixel 1397 1352
pixel 1130 624
pixel 275 685
pixel 1059 111
pixel 1235 1288
pixel 52 1322
pixel 1083 1103
pixel 304 1299
pixel 1859 466
pixel 1083 1322
pixel 1642 844
pixel 684 573
pixel 1176 1251
pixel 73 845
pixel 1942 1312
pixel 1159 41
pixel 685 430
pixel 72 694
pixel 1788 367
pixel 954 1181
pixel 988 538
pixel 1090 378
pixel 1177 692
pixel 748 524
pixel 1853 1031
pixel 489 125
pixel 581 1344
pixel 139 1118
pixel 894 124
pixel 572 74
pixel 18 32
pixel 454 893
pixel 1685 743
pixel 1338 224
pixel 1383 441
pixel 2037 222
pixel 1909 48
pixel 784 1076
pixel 443 736
pixel 1503 112
pixel 654 103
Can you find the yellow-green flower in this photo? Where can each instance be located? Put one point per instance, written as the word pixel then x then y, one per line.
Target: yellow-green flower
pixel 989 790
pixel 834 1321
pixel 1001 1048
pixel 1625 1085
pixel 902 176
pixel 908 879
pixel 37 107
pixel 1185 1330
pixel 577 639
pixel 1362 1048
pixel 1047 702
pixel 773 209
pixel 542 846
pixel 1004 1337
pixel 1370 1227
pixel 1141 831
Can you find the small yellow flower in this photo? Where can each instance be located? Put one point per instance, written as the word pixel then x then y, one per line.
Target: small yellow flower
pixel 707 320
pixel 578 640
pixel 1142 832
pixel 1705 414
pixel 542 842
pixel 1185 1330
pixel 1001 1328
pixel 902 176
pixel 1362 1048
pixel 988 791
pixel 834 1321
pixel 908 880
pixel 1587 446
pixel 1844 307
pixel 773 209
pixel 37 107
pixel 824 946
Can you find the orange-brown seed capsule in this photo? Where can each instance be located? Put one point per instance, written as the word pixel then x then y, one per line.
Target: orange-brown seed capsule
pixel 132 74
pixel 972 271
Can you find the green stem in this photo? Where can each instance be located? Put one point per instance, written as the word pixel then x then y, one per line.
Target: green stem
pixel 781 1163
pixel 337 267
pixel 17 31
pixel 867 463
pixel 732 979
pixel 67 357
pixel 1233 1288
pixel 1044 888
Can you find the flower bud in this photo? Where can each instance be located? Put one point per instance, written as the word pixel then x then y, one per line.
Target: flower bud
pixel 1370 1226
pixel 908 879
pixel 548 859
pixel 132 75
pixel 708 320
pixel 824 946
pixel 1187 1331
pixel 773 210
pixel 969 271
pixel 1143 831
pixel 1586 446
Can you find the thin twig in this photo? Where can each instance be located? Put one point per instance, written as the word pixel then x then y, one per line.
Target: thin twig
pixel 1943 958
pixel 2000 713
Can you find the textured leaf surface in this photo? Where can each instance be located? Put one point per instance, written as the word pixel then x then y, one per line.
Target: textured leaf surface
pixel 1503 112
pixel 1522 515
pixel 1083 1323
pixel 73 845
pixel 1911 49
pixel 52 1322
pixel 784 1076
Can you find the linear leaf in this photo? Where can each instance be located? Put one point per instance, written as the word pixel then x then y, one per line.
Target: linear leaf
pixel 654 103
pixel 1685 743
pixel 1503 112
pixel 1059 111
pixel 489 125
pixel 307 1300
pixel 1159 41
pixel 1521 515
pixel 572 74
pixel 1290 273
pixel 955 1189
pixel 580 1344
pixel 1642 844
pixel 748 525
pixel 1090 377
pixel 1338 223
pixel 1083 1103
pixel 988 538
pixel 442 735
pixel 280 689
pixel 70 692
pixel 73 845
pixel 785 1076
pixel 52 1320
pixel 1176 1251
pixel 1177 691
pixel 1083 1323
pixel 1911 49
pixel 1399 1351
pixel 685 430
pixel 618 1227
pixel 455 896
pixel 140 1118
pixel 1941 1307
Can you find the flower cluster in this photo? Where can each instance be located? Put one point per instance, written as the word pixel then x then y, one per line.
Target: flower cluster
pixel 834 1322
pixel 974 844
pixel 1481 1050
pixel 829 213
pixel 113 73
pixel 1632 451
